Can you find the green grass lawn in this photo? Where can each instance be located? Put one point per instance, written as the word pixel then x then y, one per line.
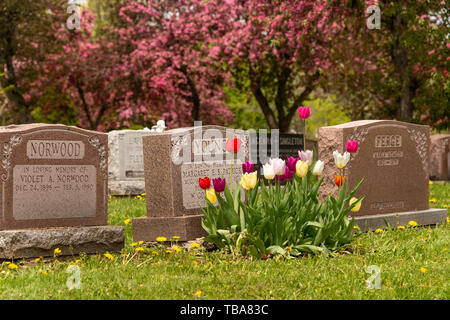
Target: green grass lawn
pixel 414 264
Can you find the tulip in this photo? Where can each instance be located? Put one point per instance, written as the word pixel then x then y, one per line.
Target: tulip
pixel 288 174
pixel 291 163
pixel 204 183
pixel 341 160
pixel 247 167
pixel 248 180
pixel 351 146
pixel 357 207
pixel 268 171
pixel 339 180
pixel 211 195
pixel 301 168
pixel 219 184
pixel 233 145
pixel 278 166
pixel 318 168
pixel 304 112
pixel 307 155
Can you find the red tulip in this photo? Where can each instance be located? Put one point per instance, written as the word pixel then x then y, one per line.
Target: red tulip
pixel 304 112
pixel 204 183
pixel 233 145
pixel 339 180
pixel 351 146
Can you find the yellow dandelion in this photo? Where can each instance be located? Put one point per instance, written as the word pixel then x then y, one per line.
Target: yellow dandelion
pixel 134 244
pixel 169 251
pixel 176 237
pixel 161 239
pixel 155 253
pixel 140 242
pixel 413 223
pixel 444 206
pixel 433 200
pixel 448 220
pixel 224 262
pixel 57 251
pixel 139 197
pixel 401 227
pixel 210 263
pixel 127 221
pixel 38 259
pixel 12 266
pixel 44 272
pixel 195 262
pixel 360 244
pixel 445 249
pixel 176 248
pixel 288 249
pixel 430 182
pixel 195 245
pixel 423 270
pixel 139 249
pixel 78 260
pixel 198 293
pixel 143 194
pixel 429 231
pixel 109 256
pixel 378 230
pixel 355 227
pixel 418 238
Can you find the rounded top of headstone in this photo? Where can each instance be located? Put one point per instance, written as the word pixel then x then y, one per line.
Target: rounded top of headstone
pixel 33 126
pixel 360 123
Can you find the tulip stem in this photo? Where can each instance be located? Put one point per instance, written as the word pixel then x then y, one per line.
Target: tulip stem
pixel 231 177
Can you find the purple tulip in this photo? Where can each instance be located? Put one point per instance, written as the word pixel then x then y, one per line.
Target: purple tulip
pixel 247 167
pixel 292 162
pixel 306 156
pixel 219 184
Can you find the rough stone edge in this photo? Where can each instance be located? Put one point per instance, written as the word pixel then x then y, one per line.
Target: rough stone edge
pixel 423 217
pixel 125 188
pixel 30 243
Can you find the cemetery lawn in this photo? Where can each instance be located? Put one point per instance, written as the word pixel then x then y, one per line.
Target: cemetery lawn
pixel 414 264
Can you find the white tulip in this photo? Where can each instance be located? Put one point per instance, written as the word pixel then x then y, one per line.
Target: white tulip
pixel 318 168
pixel 341 160
pixel 268 171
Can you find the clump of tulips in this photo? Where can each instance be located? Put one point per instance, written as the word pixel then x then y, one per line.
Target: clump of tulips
pixel 262 217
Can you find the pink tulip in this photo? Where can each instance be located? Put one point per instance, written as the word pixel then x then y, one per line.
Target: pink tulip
pixel 351 146
pixel 304 112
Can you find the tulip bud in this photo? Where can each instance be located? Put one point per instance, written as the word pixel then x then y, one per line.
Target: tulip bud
pixel 204 183
pixel 318 168
pixel 219 184
pixel 211 195
pixel 307 155
pixel 248 180
pixel 341 160
pixel 339 180
pixel 304 112
pixel 351 146
pixel 268 171
pixel 291 161
pixel 247 167
pixel 233 145
pixel 278 166
pixel 357 207
pixel 301 168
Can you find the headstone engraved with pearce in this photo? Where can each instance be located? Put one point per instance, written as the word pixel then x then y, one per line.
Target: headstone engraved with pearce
pixel 393 159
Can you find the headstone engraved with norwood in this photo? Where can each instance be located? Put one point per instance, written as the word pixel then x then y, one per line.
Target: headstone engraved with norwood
pixel 440 157
pixel 54 176
pixel 392 157
pixel 173 163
